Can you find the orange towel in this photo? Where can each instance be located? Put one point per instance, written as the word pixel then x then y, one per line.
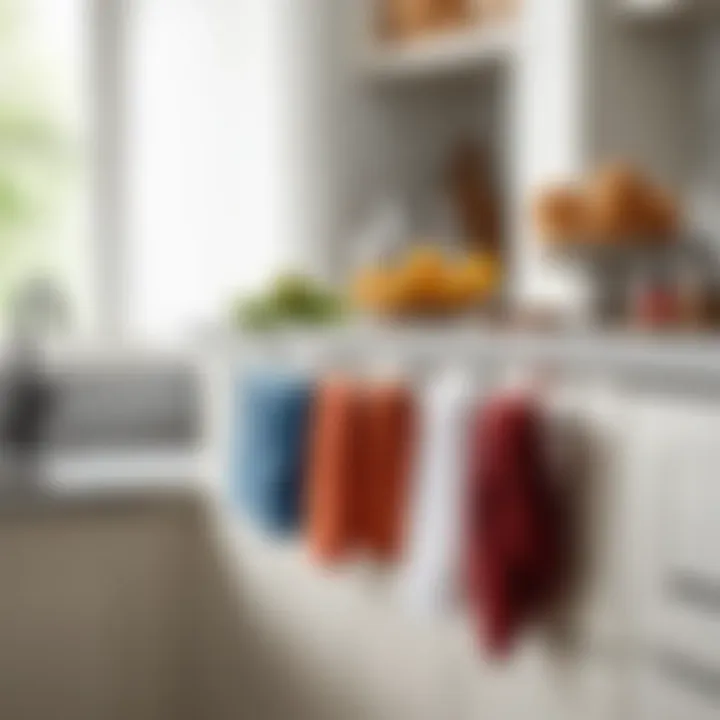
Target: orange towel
pixel 333 480
pixel 387 440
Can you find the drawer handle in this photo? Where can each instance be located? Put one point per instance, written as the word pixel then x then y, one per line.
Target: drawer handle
pixel 696 591
pixel 694 677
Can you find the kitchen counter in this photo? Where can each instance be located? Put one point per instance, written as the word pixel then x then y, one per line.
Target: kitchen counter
pixel 686 355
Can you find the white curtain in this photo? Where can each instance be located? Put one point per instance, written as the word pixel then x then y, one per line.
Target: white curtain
pixel 210 169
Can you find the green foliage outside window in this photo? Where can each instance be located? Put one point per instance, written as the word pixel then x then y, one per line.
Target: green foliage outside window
pixel 36 157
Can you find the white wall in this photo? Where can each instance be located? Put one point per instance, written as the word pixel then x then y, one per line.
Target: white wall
pixel 549 139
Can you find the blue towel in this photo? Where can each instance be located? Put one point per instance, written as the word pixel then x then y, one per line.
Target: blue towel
pixel 272 416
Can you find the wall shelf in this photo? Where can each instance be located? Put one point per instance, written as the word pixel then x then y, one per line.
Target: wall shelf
pixel 443 55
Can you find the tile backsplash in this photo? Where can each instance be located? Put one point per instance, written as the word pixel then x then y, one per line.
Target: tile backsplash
pixel 706 166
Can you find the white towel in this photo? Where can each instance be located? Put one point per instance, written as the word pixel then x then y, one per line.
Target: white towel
pixel 439 481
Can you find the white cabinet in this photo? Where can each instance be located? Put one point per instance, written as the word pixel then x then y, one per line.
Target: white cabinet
pixel 674 566
pixel 678 692
pixel 672 562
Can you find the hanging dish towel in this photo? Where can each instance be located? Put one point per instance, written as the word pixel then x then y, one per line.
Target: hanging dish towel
pixel 440 473
pixel 514 528
pixel 272 416
pixel 334 481
pixel 385 462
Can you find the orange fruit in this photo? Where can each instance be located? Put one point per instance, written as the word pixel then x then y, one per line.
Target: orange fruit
pixel 474 279
pixel 372 289
pixel 423 278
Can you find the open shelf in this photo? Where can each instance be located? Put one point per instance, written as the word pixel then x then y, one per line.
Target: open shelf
pixel 458 52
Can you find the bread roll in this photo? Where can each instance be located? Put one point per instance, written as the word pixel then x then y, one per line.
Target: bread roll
pixel 617 201
pixel 561 214
pixel 412 18
pixel 663 217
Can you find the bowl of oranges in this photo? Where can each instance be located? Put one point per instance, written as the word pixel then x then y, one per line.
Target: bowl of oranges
pixel 425 282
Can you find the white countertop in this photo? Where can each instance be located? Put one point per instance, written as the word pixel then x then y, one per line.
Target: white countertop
pixel 685 354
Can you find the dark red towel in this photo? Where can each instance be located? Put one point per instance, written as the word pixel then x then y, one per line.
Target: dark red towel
pixel 514 529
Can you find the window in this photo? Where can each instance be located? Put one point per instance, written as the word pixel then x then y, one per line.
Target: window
pixel 208 177
pixel 164 131
pixel 45 153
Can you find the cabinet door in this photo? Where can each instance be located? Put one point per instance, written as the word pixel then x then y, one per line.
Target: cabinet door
pixel 86 618
pixel 674 508
pixel 675 687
